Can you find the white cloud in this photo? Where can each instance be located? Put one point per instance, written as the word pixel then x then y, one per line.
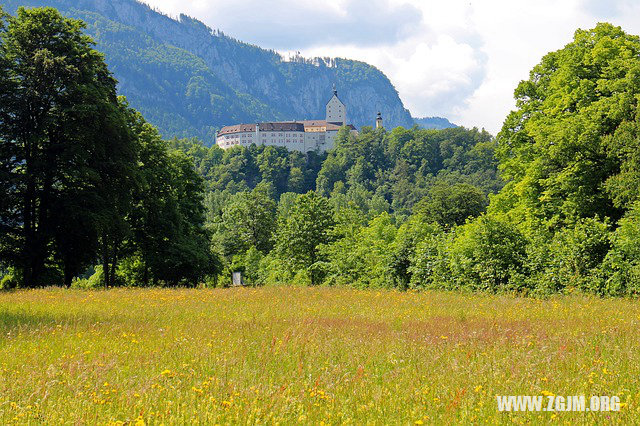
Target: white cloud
pixel 460 59
pixel 298 24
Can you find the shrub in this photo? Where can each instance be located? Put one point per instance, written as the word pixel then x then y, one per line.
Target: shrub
pixel 93 282
pixel 451 205
pixel 8 282
pixel 430 262
pixel 249 265
pixel 539 277
pixel 362 257
pixel 131 272
pixel 620 270
pixel 275 270
pixel 575 256
pixel 488 254
pixel 403 250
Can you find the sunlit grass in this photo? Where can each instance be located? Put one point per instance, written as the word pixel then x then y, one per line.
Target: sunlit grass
pixel 308 355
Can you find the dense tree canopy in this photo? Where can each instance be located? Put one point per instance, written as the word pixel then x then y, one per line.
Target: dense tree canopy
pixel 85 177
pixel 409 205
pixel 569 154
pixel 248 220
pixel 62 139
pixel 570 149
pixel 88 181
pixel 451 205
pixel 306 228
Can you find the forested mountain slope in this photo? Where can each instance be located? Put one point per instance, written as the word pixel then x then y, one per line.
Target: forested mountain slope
pixel 436 123
pixel 189 80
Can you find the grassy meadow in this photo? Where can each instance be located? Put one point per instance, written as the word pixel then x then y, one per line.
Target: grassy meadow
pixel 308 355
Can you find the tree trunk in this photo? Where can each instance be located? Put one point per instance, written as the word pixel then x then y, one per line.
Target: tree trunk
pixel 105 262
pixel 145 275
pixel 34 262
pixel 68 275
pixel 114 261
pixel 28 197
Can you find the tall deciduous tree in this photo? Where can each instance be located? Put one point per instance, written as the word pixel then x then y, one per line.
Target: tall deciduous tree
pixel 167 216
pixel 570 148
pixel 451 205
pixel 307 227
pixel 248 220
pixel 62 138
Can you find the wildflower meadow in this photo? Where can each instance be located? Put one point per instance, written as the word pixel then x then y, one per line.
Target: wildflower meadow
pixel 278 355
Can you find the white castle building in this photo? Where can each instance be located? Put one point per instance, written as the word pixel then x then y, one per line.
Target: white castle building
pixel 304 136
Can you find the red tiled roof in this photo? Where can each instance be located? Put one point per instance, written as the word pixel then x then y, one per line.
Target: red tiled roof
pixel 265 127
pixel 284 126
pixel 238 128
pixel 325 123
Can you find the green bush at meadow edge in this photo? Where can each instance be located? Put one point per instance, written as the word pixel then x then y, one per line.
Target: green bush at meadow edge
pixel 8 282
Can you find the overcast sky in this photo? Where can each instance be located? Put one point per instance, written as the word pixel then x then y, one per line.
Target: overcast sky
pixel 459 59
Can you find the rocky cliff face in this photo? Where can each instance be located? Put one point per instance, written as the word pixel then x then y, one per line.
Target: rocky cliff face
pixel 190 80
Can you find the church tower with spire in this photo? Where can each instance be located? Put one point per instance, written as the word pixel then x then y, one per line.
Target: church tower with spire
pixel 336 110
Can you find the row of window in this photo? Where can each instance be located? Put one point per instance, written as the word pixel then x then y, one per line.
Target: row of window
pixel 264 141
pixel 272 134
pixel 247 138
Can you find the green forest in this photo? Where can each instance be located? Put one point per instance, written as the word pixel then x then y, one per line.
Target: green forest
pixel 94 197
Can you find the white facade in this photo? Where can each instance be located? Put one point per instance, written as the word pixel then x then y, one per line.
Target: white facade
pixel 303 141
pixel 304 136
pixel 294 140
pixel 336 110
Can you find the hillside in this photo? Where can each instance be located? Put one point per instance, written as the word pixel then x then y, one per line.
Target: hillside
pixel 189 80
pixel 435 123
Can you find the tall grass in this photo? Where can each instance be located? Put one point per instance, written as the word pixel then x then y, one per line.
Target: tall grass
pixel 308 355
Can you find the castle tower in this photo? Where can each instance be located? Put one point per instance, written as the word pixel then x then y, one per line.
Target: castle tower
pixel 336 110
pixel 379 121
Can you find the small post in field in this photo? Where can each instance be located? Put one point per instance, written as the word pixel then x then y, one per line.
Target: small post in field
pixel 236 279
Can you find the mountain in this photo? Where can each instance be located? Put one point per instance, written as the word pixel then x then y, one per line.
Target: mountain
pixel 437 123
pixel 190 80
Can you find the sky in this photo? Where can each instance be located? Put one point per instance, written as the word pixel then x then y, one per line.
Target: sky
pixel 459 59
